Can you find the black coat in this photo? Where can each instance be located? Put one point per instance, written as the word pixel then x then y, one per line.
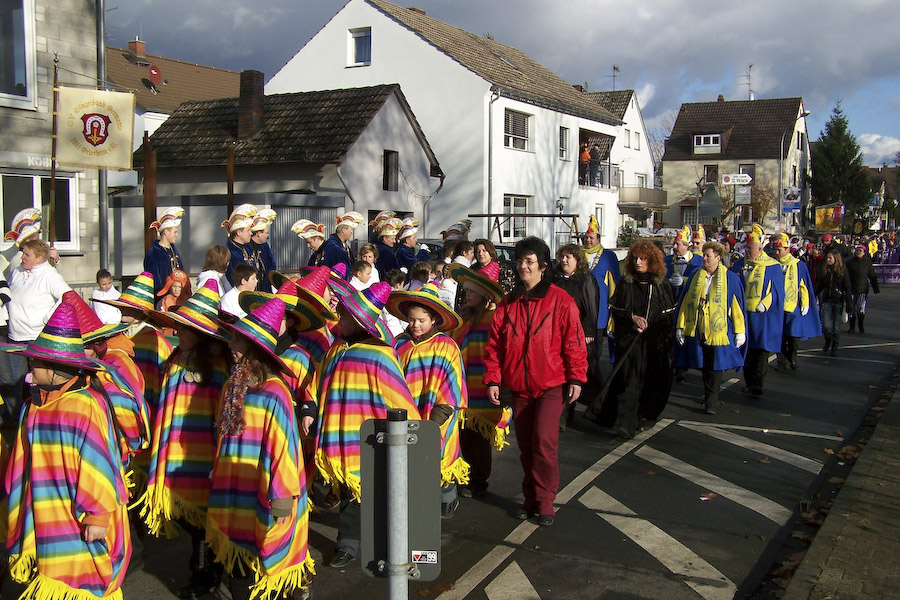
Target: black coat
pixel 585 292
pixel 833 288
pixel 861 273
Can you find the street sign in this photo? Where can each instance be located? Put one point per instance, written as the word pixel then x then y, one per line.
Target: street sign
pixel 742 195
pixel 736 179
pixel 424 499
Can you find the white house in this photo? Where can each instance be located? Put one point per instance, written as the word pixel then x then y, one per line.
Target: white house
pixel 507 130
pixel 310 155
pixel 630 160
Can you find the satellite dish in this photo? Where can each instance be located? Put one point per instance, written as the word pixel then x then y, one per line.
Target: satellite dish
pixel 155 76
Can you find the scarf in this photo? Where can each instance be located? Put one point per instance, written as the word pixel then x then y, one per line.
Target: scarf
pixel 791 282
pixel 231 419
pixel 593 255
pixel 712 308
pixel 753 292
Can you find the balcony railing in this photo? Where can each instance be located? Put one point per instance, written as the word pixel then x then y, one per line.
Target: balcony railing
pixel 642 197
pixel 598 174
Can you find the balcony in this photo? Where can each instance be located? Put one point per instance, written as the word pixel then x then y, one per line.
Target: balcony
pixel 642 198
pixel 600 174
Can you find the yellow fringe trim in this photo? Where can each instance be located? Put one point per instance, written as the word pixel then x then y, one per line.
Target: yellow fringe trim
pixel 332 471
pixel 136 479
pixel 281 584
pixel 23 567
pixel 458 472
pixel 162 507
pixel 44 588
pixel 488 430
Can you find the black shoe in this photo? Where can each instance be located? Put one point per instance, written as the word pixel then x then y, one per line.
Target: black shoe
pixel 196 588
pixel 522 514
pixel 793 364
pixel 746 389
pixel 545 520
pixel 448 509
pixel 341 560
pixel 756 392
pixel 708 408
pixel 465 492
pixel 623 432
pixel 834 350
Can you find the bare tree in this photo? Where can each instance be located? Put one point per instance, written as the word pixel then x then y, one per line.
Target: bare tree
pixel 658 134
pixel 762 200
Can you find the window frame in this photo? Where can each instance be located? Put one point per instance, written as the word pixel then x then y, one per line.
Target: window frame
pixel 706 171
pixel 390 176
pixel 628 138
pixel 30 100
pixel 510 136
pixel 564 143
pixel 70 180
pixel 637 140
pixel 513 225
pixel 353 35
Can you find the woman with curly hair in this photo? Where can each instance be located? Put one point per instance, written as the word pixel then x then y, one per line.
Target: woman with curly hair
pixel 642 308
pixel 572 273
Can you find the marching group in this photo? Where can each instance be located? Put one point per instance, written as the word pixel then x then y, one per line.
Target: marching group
pixel 251 419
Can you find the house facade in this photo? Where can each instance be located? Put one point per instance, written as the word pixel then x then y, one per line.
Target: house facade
pixel 765 139
pixel 630 157
pixel 506 129
pixel 33 32
pixel 311 155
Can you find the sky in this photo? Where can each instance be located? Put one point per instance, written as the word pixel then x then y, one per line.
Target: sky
pixel 669 51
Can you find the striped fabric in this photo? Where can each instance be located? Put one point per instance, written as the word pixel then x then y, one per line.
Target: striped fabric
pixel 252 469
pixel 435 375
pixel 487 419
pixel 182 447
pixel 316 342
pixel 303 379
pixel 358 381
pixel 65 467
pixel 151 351
pixel 124 385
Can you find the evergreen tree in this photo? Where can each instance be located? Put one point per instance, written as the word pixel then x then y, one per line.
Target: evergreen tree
pixel 837 173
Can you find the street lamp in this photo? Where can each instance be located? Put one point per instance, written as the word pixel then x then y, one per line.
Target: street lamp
pixel 803 115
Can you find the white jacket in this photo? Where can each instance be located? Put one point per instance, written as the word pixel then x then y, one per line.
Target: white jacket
pixel 35 294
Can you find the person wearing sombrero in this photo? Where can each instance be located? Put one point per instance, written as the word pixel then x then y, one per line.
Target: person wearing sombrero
pixel 122 382
pixel 434 372
pixel 485 425
pixel 68 530
pixel 336 249
pixel 386 231
pixel 360 379
pixel 259 241
pixel 258 460
pixel 314 283
pixel 151 348
pixel 238 227
pixel 163 256
pixel 183 441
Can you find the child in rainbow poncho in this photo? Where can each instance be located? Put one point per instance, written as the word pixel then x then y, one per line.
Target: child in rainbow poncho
pixel 434 371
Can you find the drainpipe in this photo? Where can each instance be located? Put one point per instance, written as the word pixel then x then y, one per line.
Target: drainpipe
pixel 425 206
pixel 346 187
pixel 495 95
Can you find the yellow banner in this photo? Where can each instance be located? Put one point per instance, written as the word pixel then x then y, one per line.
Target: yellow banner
pixel 828 219
pixel 96 128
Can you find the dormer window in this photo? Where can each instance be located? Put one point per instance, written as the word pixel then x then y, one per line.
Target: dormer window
pixel 707 143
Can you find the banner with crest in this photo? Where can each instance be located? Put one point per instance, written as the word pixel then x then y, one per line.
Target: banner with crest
pixel 96 128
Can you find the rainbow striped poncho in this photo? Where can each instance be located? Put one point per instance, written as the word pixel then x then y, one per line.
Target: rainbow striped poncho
pixel 251 470
pixel 435 375
pixel 123 385
pixel 65 467
pixel 303 373
pixel 317 342
pixel 151 351
pixel 182 447
pixel 481 415
pixel 358 381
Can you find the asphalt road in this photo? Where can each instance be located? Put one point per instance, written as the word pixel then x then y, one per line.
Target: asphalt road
pixel 696 506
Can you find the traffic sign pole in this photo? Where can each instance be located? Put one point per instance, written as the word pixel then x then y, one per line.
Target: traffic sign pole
pixel 397 567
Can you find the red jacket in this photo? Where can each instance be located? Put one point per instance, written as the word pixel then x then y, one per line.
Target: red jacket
pixel 536 341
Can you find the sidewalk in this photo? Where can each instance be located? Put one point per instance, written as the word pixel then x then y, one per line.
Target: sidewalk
pixel 856 553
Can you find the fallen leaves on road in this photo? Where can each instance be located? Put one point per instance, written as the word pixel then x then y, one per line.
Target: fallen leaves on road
pixel 872 387
pixel 828 451
pixel 445 586
pixel 708 496
pixel 784 414
pixel 878 408
pixel 651 472
pixel 802 537
pixel 848 452
pixel 735 411
pixel 838 432
pixel 764 460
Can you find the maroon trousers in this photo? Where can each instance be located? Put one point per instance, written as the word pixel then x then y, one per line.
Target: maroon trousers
pixel 536 423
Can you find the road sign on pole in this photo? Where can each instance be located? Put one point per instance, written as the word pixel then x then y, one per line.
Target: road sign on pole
pixel 736 179
pixel 742 195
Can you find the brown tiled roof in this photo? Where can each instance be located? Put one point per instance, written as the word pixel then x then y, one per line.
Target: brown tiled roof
pixel 889 175
pixel 516 75
pixel 182 81
pixel 615 101
pixel 299 127
pixel 750 129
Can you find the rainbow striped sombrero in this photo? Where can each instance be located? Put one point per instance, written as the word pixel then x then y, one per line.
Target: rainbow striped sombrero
pixel 297 301
pixel 200 312
pixel 261 327
pixel 398 304
pixel 365 306
pixel 138 295
pixel 59 342
pixel 92 328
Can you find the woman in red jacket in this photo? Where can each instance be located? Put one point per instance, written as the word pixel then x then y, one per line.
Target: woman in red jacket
pixel 536 349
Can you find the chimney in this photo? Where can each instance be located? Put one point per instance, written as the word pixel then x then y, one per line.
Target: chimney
pixel 721 98
pixel 417 10
pixel 137 47
pixel 251 105
pixel 578 87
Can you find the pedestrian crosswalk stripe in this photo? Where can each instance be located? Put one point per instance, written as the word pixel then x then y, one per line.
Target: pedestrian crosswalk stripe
pixel 701 576
pixel 511 584
pixel 479 571
pixel 768 431
pixel 801 462
pixel 760 504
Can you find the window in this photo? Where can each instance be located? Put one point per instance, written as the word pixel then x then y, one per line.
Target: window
pixel 641 180
pixel 359 51
pixel 794 175
pixel 711 174
pixel 598 212
pixel 564 143
pixel 748 169
pixel 391 170
pixel 516 130
pixel 17 54
pixel 515 227
pixel 628 138
pixel 637 140
pixel 18 191
pixel 707 143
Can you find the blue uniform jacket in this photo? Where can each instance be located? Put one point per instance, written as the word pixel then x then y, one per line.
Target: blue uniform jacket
pixel 334 253
pixel 158 263
pixel 606 272
pixel 797 325
pixel 764 329
pixel 386 260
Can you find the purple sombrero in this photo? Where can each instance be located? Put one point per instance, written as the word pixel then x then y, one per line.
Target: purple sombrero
pixel 261 328
pixel 59 342
pixel 200 312
pixel 365 306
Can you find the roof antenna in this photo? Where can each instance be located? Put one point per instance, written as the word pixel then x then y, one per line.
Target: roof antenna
pixel 749 83
pixel 615 72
